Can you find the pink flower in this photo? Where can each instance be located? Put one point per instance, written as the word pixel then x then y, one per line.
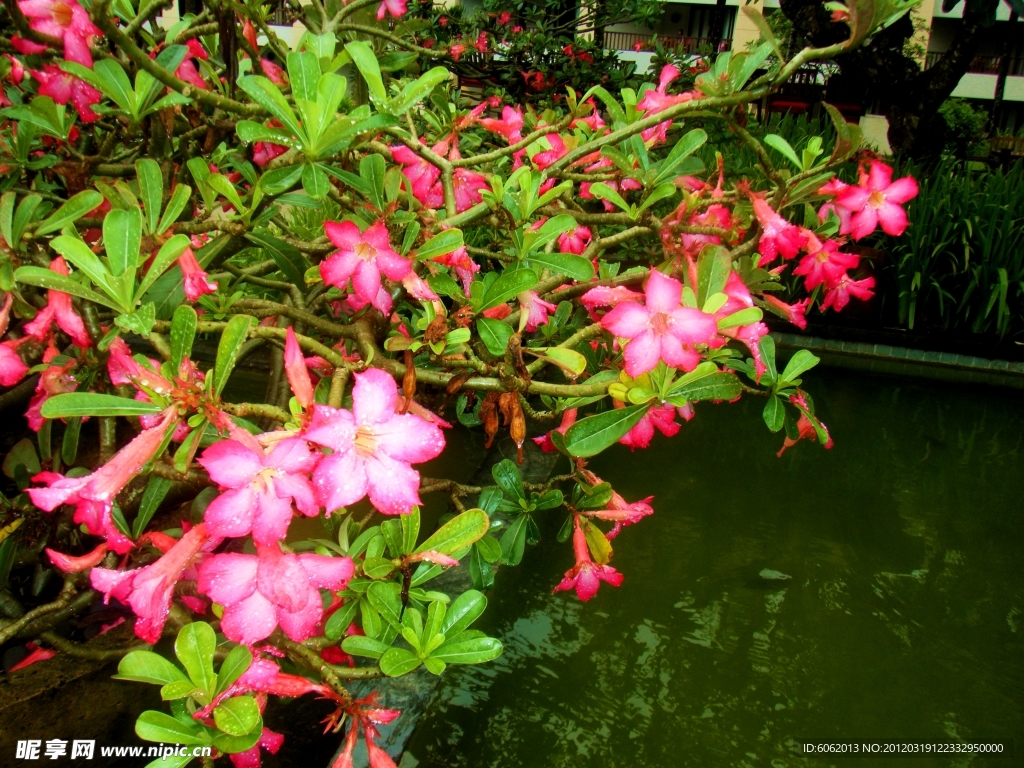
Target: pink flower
pixel 457 50
pixel 661 417
pixel 362 257
pixel 269 740
pixel 510 125
pixel 535 310
pixel 838 295
pixel 53 381
pixel 12 367
pixel 393 8
pixel 878 200
pixel 66 20
pixel 264 151
pixel 805 427
pixel 575 241
pixel 94 493
pixel 795 313
pixel 260 488
pixel 196 282
pixel 481 42
pixel 834 188
pixel 261 591
pixel 619 511
pixel 462 263
pixel 504 18
pixel 778 236
pixel 545 442
pixel 70 564
pixel 824 263
pixel 739 298
pixel 608 296
pixel 548 156
pixel 296 371
pixel 373 448
pixel 149 590
pixel 27 47
pixel 660 329
pixel 422 175
pixel 467 186
pixel 58 310
pixel 274 73
pixel 657 100
pixel 17 73
pixel 586 576
pixel 36 654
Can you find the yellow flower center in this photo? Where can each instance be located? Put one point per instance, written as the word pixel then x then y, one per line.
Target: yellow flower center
pixel 365 251
pixel 366 442
pixel 62 14
pixel 877 200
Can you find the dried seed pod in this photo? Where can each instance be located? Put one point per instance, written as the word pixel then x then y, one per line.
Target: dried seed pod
pixel 489 416
pixel 436 331
pixel 455 383
pixel 518 428
pixel 408 380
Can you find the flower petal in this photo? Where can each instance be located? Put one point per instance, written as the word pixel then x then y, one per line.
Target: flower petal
pixel 373 397
pixel 249 621
pixel 393 486
pixel 409 438
pixel 228 578
pixel 340 480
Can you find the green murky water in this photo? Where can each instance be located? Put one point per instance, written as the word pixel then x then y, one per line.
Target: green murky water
pixel 902 619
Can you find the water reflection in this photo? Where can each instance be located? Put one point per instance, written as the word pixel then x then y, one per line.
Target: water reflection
pixel 871 591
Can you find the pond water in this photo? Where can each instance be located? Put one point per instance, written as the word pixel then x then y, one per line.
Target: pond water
pixel 901 616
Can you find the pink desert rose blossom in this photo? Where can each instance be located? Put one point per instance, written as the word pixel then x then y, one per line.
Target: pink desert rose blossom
pixel 619 511
pixel 296 371
pixel 546 157
pixel 838 295
pixel 373 448
pixel 55 380
pixel 878 200
pixel 66 20
pixel 59 311
pixel 510 125
pixel 659 417
pixel 260 488
pixel 545 442
pixel 586 576
pixel 534 311
pixel 12 367
pixel 196 282
pixel 269 741
pixel 261 591
pixel 657 99
pixel 463 264
pixel 824 263
pixel 393 8
pixel 796 313
pixel 362 257
pixel 94 493
pixel 575 241
pixel 63 87
pixel 660 329
pixel 457 50
pixel 778 236
pixel 149 590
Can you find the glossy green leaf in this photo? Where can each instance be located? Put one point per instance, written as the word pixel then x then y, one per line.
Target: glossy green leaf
pixel 513 541
pixel 799 363
pixel 160 727
pixel 509 284
pixel 183 333
pixel 177 203
pixel 774 413
pixel 95 404
pixel 289 259
pixel 75 208
pixel 315 181
pixel 47 278
pixel 268 96
pixel 417 90
pixel 591 435
pixel 148 667
pixel 464 610
pixel 151 190
pixel 458 533
pixel 570 265
pixel 398 661
pixel 475 650
pixel 361 645
pixel 495 335
pixel 378 567
pixel 366 62
pixel 440 244
pixel 179 689
pixel 237 716
pixel 506 474
pixel 303 75
pixel 232 745
pixel 156 492
pixel 232 338
pixel 194 647
pixel 340 620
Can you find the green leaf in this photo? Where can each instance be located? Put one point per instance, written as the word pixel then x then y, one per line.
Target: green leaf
pixel 139 322
pixel 440 244
pixel 685 147
pixel 417 90
pixel 78 253
pixel 570 265
pixel 591 435
pixel 151 189
pixel 183 333
pixel 47 278
pixel 232 745
pixel 744 316
pixel 602 191
pixel 495 335
pixel 289 259
pixel 464 610
pixel 23 454
pixel 23 215
pixel 69 445
pixel 161 727
pixel 156 492
pixel 148 667
pixel 249 132
pixel 237 716
pixel 194 647
pixel 365 61
pixel 73 404
pixel 361 645
pixel 398 661
pixel 506 475
pixel 231 341
pixel 281 179
pixel 713 267
pixel 764 28
pixel 378 567
pixel 774 413
pixel 513 541
pixel 490 549
pixel 179 689
pixel 304 75
pixel 386 599
pixel 267 95
pixel 767 347
pixel 706 382
pixel 410 530
pixel 112 80
pixel 315 181
pixel 158 273
pixel 458 533
pixel 340 620
pixel 74 209
pixel 782 146
pixel 372 169
pixel 510 283
pixel 8 549
pixel 800 362
pixel 476 650
pixel 572 362
pixel 548 231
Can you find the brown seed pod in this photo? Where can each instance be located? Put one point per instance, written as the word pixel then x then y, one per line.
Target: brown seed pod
pixel 489 416
pixel 408 380
pixel 518 428
pixel 436 331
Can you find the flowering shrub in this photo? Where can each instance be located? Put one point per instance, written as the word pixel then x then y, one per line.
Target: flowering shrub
pixel 408 262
